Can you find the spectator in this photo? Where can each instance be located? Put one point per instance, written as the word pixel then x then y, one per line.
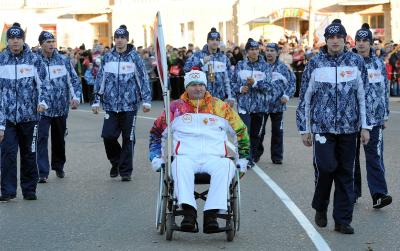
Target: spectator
pixel 237 55
pixel 286 57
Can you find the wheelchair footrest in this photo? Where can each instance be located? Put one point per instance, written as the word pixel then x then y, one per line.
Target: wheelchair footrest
pixel 224 216
pixel 177 228
pixel 219 230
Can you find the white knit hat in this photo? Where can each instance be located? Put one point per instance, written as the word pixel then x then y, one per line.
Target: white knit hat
pixel 195 77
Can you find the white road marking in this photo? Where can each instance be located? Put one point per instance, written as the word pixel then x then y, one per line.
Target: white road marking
pixel 316 238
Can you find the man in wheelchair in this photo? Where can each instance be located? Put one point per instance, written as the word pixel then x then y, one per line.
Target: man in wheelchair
pixel 200 125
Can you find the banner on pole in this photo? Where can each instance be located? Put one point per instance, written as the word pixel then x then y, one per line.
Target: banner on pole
pixel 160 53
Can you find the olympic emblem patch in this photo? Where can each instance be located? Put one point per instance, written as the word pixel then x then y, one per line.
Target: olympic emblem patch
pixel 120 32
pixel 333 29
pixel 363 34
pixel 15 32
pixel 214 35
pixel 187 118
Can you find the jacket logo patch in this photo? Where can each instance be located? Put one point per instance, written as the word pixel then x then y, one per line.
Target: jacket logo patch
pixel 25 70
pixel 347 73
pixel 57 71
pixel 212 121
pixel 187 118
pixel 373 75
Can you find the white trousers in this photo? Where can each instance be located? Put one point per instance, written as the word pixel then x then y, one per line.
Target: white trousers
pixel 221 170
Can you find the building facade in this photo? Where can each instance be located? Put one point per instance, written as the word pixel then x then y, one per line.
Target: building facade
pixel 188 21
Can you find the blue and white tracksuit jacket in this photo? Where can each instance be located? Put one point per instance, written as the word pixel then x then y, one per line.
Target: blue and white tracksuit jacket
pixel 285 81
pixel 23 85
pixel 221 88
pixel 333 95
pixel 64 84
pixel 378 89
pixel 122 81
pixel 258 97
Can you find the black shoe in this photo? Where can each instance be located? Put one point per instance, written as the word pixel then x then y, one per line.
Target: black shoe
pixel 126 178
pixel 210 224
pixel 60 174
pixel 30 197
pixel 6 198
pixel 188 223
pixel 381 200
pixel 277 162
pixel 114 172
pixel 256 159
pixel 321 219
pixel 42 180
pixel 344 228
pixel 250 164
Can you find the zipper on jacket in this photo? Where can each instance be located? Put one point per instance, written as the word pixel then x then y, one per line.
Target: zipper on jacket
pixel 16 90
pixel 118 101
pixel 48 69
pixel 213 84
pixel 336 96
pixel 249 92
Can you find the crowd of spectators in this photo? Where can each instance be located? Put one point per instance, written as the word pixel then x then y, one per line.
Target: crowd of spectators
pixel 294 53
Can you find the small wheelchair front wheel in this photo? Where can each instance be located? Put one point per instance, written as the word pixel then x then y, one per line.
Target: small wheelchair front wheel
pixel 230 234
pixel 169 231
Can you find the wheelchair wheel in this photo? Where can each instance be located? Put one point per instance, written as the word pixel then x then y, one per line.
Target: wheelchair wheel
pixel 161 203
pixel 236 202
pixel 169 224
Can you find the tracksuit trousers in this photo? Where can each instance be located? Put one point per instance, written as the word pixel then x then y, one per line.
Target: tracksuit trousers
pixel 23 136
pixel 58 132
pixel 334 156
pixel 115 124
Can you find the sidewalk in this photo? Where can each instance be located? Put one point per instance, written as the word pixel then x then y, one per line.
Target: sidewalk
pixel 394 99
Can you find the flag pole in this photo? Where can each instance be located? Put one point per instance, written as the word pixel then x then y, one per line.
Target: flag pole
pixel 162 68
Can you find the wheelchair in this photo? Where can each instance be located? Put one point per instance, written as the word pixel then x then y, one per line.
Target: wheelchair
pixel 168 209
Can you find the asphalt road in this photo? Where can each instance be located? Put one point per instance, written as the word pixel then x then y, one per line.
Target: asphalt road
pixel 87 210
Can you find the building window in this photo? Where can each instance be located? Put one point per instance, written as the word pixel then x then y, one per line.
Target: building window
pixel 377 24
pixel 182 30
pixel 229 32
pixel 101 33
pixel 376 21
pixel 221 30
pixel 190 26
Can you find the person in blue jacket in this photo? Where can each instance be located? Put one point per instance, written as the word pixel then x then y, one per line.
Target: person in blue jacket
pixel 216 65
pixel 284 82
pixel 332 108
pixel 378 97
pixel 122 84
pixel 252 84
pixel 65 90
pixel 24 94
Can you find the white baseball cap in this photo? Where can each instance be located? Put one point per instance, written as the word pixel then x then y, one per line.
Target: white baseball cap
pixel 195 77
